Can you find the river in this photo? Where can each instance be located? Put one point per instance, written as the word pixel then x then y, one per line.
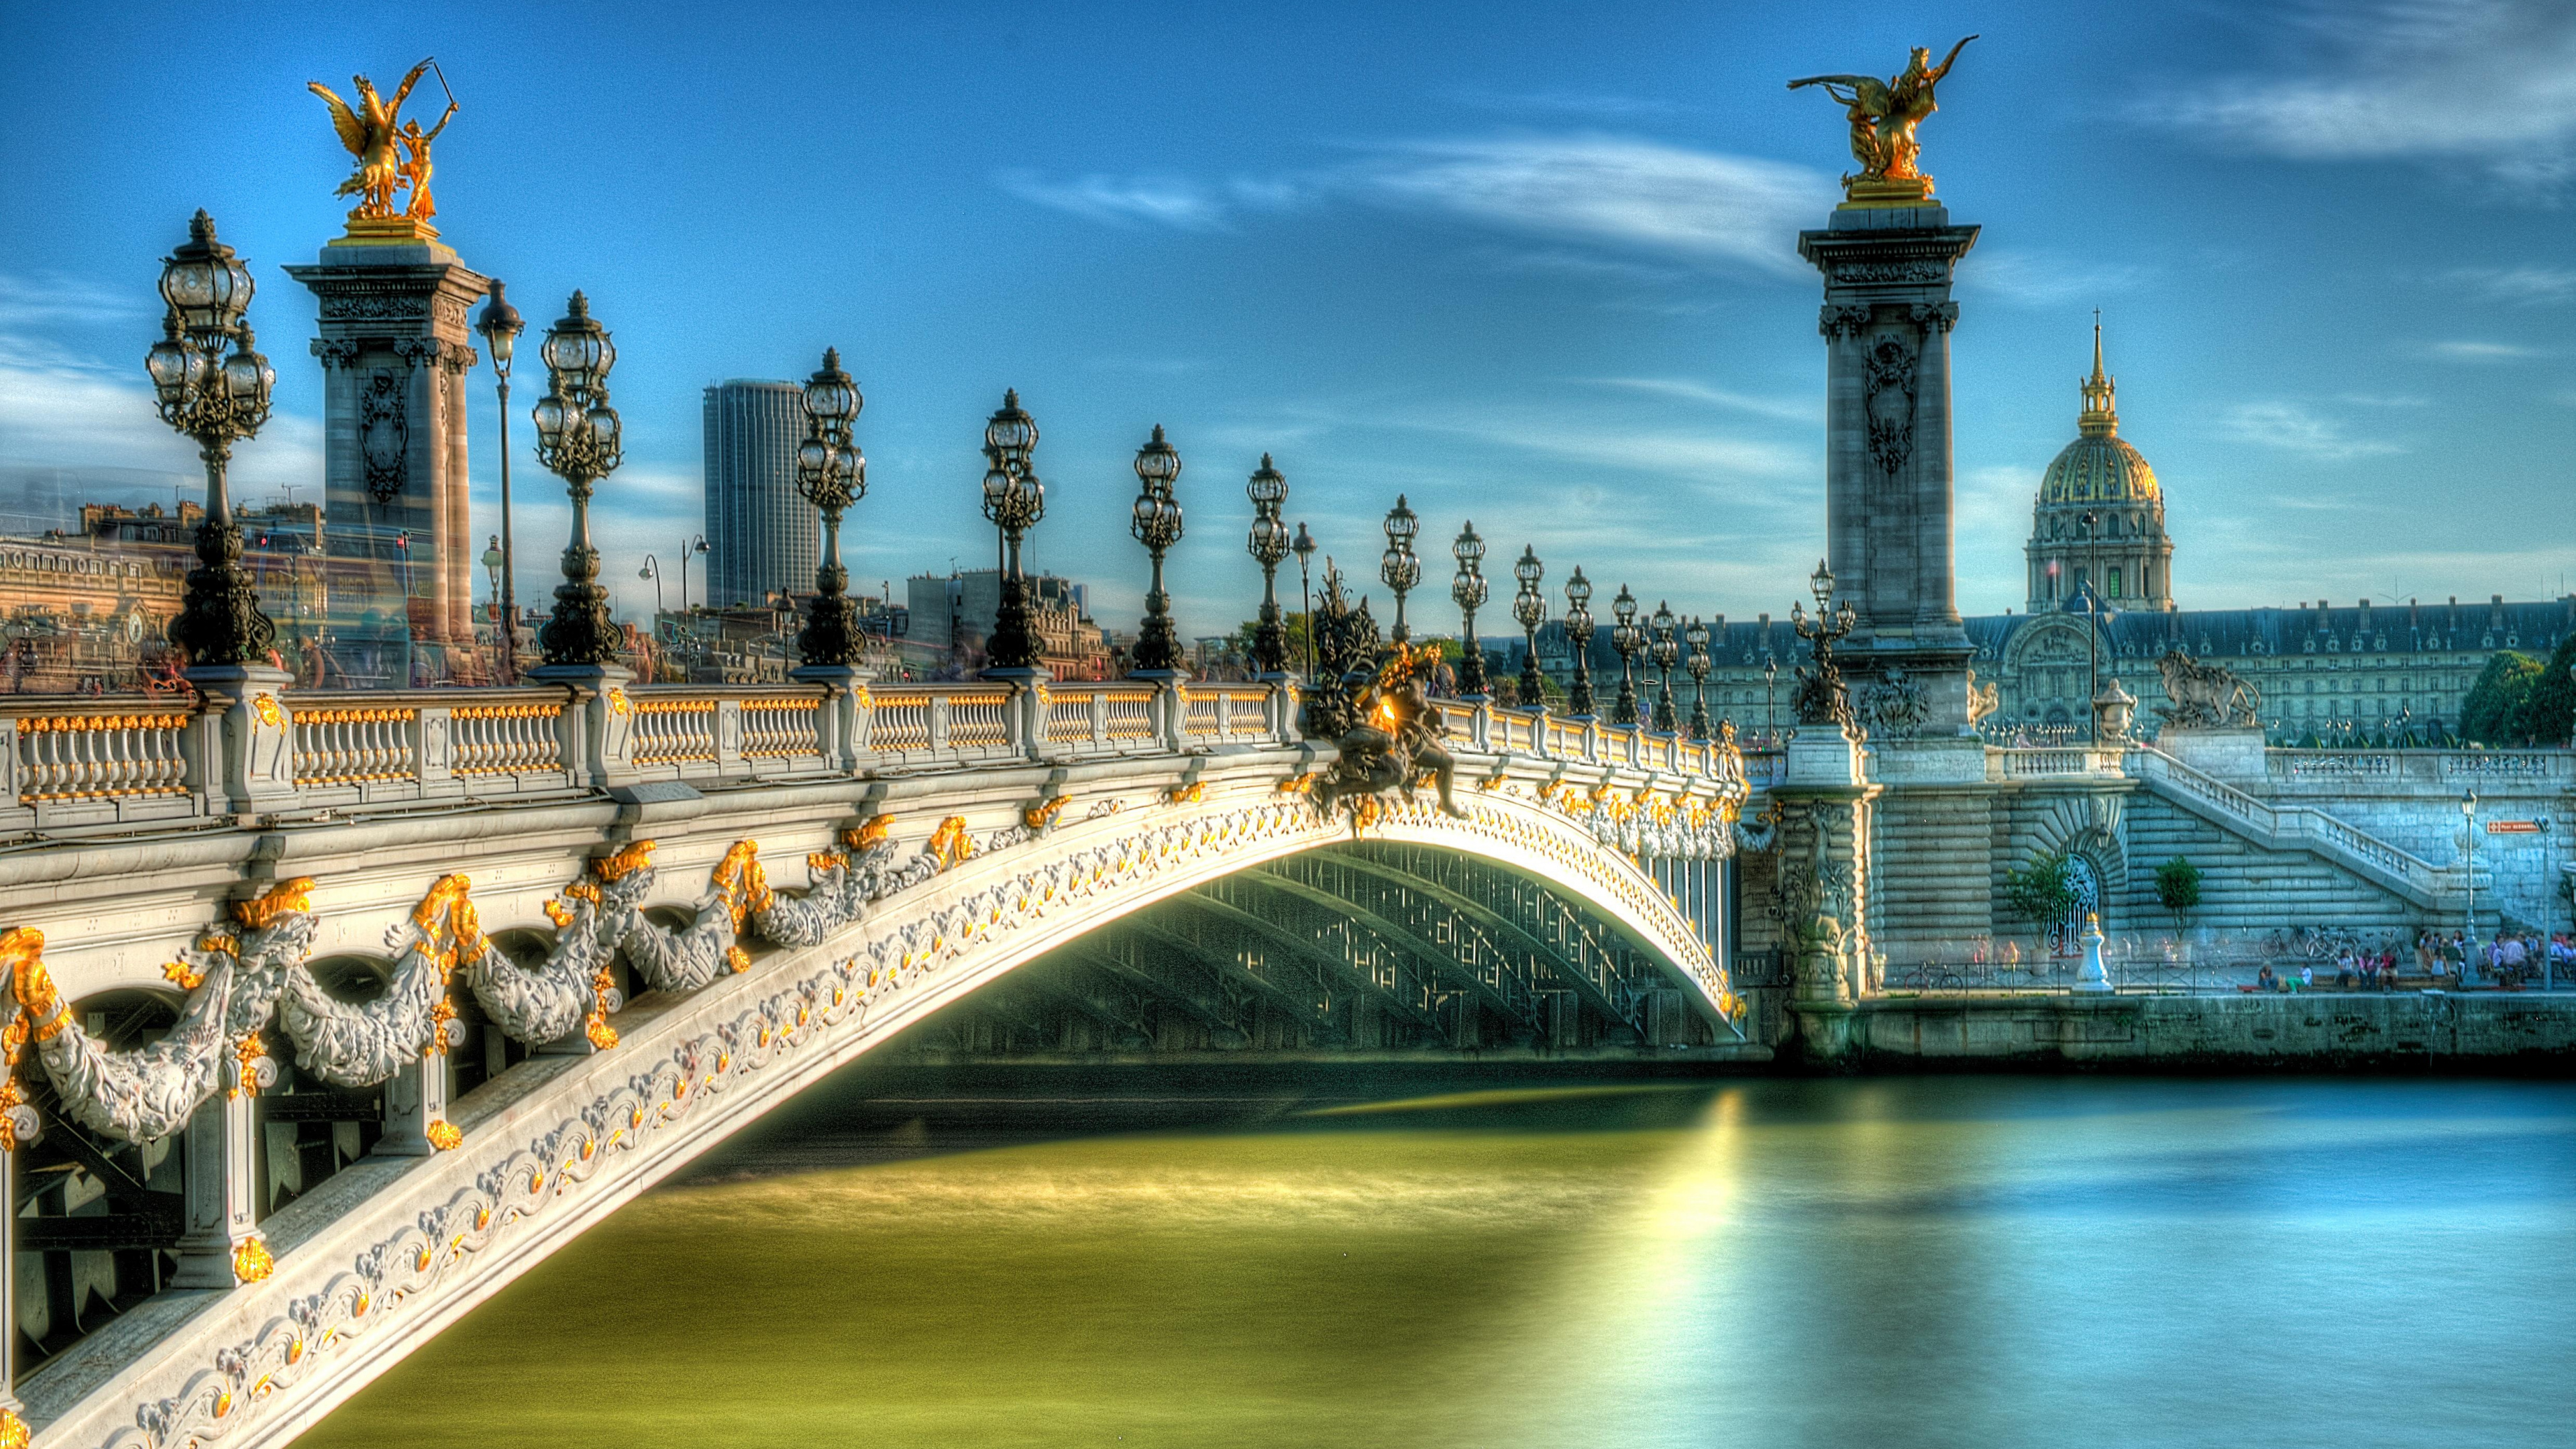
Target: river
pixel 1883 1262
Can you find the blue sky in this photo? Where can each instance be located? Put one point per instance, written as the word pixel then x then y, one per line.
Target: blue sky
pixel 1533 264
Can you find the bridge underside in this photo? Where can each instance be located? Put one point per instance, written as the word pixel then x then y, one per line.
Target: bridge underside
pixel 1370 946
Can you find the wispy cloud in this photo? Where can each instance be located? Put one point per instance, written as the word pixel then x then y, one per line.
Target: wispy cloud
pixel 1699 205
pixel 2044 279
pixel 58 410
pixel 2294 429
pixel 1596 104
pixel 33 301
pixel 1788 410
pixel 2491 81
pixel 1125 201
pixel 2477 351
pixel 1628 194
pixel 2526 285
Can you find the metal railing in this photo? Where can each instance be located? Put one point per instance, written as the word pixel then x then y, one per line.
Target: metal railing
pixel 2448 769
pixel 108 762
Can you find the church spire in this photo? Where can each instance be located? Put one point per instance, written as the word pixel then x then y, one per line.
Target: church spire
pixel 2100 419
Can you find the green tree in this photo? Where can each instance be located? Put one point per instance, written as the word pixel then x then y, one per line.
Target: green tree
pixel 2042 892
pixel 2178 887
pixel 2549 710
pixel 2497 709
pixel 1292 627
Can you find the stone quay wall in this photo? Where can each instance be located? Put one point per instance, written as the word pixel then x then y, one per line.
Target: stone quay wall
pixel 2294 1031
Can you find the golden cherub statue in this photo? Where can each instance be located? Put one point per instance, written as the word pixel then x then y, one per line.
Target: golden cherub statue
pixel 370 131
pixel 1883 115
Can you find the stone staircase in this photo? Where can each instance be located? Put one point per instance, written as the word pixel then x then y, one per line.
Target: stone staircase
pixel 2298 828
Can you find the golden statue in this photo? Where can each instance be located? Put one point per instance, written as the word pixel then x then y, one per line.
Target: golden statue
pixel 415 169
pixel 1883 115
pixel 373 132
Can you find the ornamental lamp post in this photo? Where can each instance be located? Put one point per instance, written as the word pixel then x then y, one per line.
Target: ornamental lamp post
pixel 1014 500
pixel 1469 591
pixel 1665 652
pixel 1821 698
pixel 500 324
pixel 1770 701
pixel 1699 663
pixel 695 544
pixel 1629 640
pixel 832 474
pixel 1578 632
pixel 1529 610
pixel 1304 547
pixel 2469 877
pixel 577 441
pixel 1398 566
pixel 1156 522
pixel 1268 545
pixel 216 400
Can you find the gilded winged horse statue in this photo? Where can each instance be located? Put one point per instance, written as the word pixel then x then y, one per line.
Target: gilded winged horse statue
pixel 1883 114
pixel 370 131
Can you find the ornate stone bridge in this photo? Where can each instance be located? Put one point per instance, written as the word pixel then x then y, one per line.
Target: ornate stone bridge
pixel 333 1013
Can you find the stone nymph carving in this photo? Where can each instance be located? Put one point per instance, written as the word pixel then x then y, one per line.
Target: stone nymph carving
pixel 384 435
pixel 253 970
pixel 2205 696
pixel 1895 705
pixel 1888 400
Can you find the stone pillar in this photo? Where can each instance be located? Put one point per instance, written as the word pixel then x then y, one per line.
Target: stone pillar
pixel 395 350
pixel 1888 494
pixel 416 1122
pixel 1824 852
pixel 222 1210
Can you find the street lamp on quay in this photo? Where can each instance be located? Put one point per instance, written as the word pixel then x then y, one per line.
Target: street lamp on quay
pixel 1156 522
pixel 1398 566
pixel 1014 500
pixel 1770 701
pixel 492 566
pixel 696 544
pixel 2468 878
pixel 1698 664
pixel 1304 547
pixel 1628 639
pixel 1268 545
pixel 500 324
pixel 216 400
pixel 577 440
pixel 653 570
pixel 1469 591
pixel 1529 610
pixel 1578 632
pixel 1666 651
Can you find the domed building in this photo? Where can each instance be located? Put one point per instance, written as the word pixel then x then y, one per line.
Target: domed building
pixel 2099 521
pixel 2333 674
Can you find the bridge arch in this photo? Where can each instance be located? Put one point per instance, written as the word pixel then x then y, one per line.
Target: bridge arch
pixel 413 1243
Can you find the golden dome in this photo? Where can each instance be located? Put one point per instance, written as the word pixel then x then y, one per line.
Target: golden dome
pixel 2102 469
pixel 2098 467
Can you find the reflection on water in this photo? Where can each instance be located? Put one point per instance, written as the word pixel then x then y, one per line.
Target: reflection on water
pixel 1958 1261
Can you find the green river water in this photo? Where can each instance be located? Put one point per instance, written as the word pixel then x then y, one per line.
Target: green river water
pixel 1992 1261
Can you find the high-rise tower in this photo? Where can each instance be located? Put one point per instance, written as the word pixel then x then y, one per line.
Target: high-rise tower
pixel 2100 516
pixel 765 537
